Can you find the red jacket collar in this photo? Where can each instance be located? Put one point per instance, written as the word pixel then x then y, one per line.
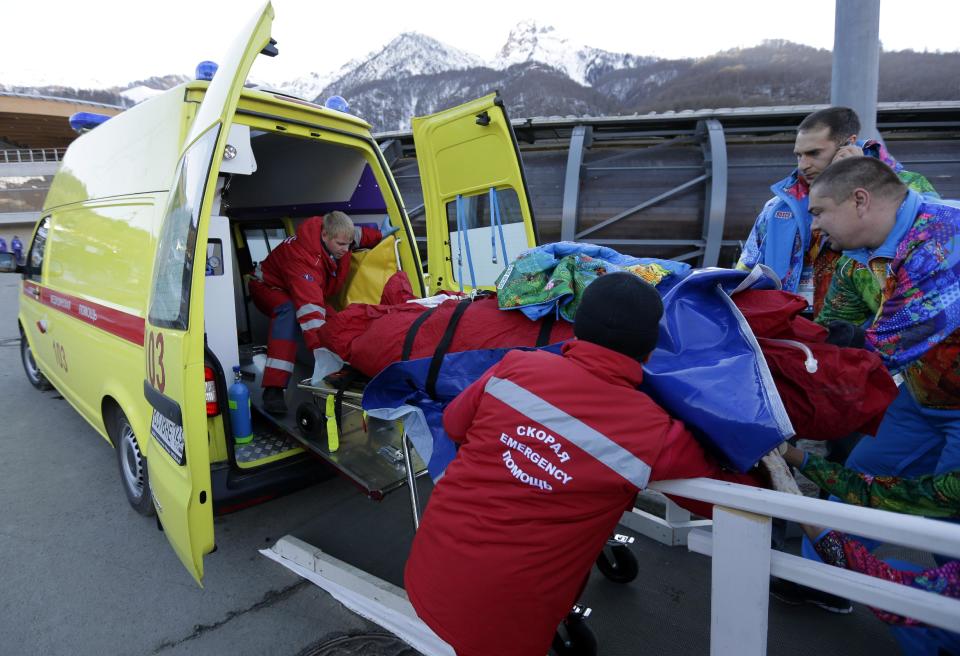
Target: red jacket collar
pixel 603 363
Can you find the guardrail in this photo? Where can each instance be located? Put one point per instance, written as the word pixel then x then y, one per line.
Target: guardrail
pixel 743 561
pixel 32 155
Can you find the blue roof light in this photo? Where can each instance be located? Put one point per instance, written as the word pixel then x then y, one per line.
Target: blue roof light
pixel 85 121
pixel 206 70
pixel 337 103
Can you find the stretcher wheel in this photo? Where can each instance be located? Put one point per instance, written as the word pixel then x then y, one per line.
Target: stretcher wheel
pixel 574 638
pixel 311 422
pixel 618 563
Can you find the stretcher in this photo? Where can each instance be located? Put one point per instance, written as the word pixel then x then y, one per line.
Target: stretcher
pixel 327 423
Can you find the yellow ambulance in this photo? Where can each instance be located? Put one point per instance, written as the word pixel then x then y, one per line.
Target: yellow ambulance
pixel 134 305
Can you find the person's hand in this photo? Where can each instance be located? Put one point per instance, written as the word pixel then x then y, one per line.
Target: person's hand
pixel 781 478
pixel 846 334
pixel 850 150
pixel 386 229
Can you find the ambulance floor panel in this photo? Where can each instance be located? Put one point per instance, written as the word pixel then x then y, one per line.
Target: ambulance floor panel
pixel 268 445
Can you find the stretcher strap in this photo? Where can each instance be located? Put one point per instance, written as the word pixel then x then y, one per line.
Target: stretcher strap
pixel 545 329
pixel 463 235
pixel 412 333
pixel 444 346
pixel 333 431
pixel 496 221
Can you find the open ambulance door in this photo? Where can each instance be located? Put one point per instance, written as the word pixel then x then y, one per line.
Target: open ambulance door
pixel 178 459
pixel 478 210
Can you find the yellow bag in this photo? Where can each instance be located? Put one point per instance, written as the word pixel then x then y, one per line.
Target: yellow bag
pixel 369 271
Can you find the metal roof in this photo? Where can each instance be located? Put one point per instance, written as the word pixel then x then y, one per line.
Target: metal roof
pixel 29 121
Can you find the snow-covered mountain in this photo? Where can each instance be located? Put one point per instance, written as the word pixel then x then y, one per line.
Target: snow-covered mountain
pixel 407 55
pixel 529 42
pixel 541 73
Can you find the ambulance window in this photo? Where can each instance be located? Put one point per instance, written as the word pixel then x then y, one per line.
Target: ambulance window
pixel 170 304
pixel 262 241
pixel 476 209
pixel 37 248
pixel 482 242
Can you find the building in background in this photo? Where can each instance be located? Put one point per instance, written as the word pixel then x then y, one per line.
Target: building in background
pixel 34 133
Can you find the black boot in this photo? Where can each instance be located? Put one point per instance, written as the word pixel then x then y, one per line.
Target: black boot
pixel 273 401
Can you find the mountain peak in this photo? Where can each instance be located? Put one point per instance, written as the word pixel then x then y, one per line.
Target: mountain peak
pixel 531 41
pixel 407 55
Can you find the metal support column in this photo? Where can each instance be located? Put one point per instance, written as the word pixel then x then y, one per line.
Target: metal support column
pixel 715 202
pixel 856 61
pixel 580 140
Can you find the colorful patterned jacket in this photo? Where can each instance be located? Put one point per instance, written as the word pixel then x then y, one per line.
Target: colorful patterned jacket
pixel 782 237
pixel 911 286
pixel 931 495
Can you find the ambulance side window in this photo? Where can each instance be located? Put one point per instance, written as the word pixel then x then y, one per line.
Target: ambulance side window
pixel 262 241
pixel 35 257
pixel 173 273
pixel 476 209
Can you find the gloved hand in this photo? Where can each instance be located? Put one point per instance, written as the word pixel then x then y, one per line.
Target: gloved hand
pixel 386 229
pixel 325 362
pixel 844 333
pixel 781 478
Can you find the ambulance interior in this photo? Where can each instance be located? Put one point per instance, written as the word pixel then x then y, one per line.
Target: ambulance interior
pixel 270 184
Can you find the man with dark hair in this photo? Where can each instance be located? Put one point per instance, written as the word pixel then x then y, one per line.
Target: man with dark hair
pixel 782 237
pixel 911 244
pixel 840 122
pixel 553 449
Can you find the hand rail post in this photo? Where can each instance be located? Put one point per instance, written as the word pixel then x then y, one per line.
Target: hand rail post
pixel 740 583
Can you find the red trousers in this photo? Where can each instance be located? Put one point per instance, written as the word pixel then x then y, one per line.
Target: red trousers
pixel 282 339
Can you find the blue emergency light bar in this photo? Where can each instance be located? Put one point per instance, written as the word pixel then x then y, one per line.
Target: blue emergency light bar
pixel 206 70
pixel 337 103
pixel 85 121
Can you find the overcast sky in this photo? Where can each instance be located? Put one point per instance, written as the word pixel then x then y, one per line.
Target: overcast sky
pixel 106 42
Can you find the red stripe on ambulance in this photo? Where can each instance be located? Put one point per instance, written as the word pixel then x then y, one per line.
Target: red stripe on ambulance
pixel 116 322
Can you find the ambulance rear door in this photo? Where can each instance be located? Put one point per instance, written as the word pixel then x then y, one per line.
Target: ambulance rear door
pixel 178 457
pixel 478 212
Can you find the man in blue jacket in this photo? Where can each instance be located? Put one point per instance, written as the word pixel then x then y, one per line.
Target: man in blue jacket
pixel 782 236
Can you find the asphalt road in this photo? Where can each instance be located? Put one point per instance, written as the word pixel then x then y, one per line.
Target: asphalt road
pixel 82 573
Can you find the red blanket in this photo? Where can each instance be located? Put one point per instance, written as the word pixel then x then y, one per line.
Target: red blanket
pixel 848 393
pixel 850 390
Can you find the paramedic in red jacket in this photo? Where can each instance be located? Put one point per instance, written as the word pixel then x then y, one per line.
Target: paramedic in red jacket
pixel 294 286
pixel 553 450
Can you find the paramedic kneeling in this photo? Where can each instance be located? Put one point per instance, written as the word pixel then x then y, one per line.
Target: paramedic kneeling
pixel 553 449
pixel 295 284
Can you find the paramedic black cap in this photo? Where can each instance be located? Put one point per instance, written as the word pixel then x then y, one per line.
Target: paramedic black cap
pixel 621 312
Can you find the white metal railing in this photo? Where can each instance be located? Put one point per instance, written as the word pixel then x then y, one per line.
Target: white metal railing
pixel 743 561
pixel 28 155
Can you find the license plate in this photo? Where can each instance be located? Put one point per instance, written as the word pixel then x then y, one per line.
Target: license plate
pixel 170 436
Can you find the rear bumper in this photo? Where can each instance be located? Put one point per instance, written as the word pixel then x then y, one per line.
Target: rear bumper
pixel 234 489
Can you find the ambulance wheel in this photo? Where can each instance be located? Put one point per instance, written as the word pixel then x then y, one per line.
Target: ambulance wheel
pixel 30 367
pixel 311 422
pixel 133 466
pixel 574 638
pixel 618 563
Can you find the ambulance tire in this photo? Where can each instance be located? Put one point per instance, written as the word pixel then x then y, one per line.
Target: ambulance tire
pixel 312 422
pixel 30 367
pixel 133 465
pixel 574 638
pixel 618 563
